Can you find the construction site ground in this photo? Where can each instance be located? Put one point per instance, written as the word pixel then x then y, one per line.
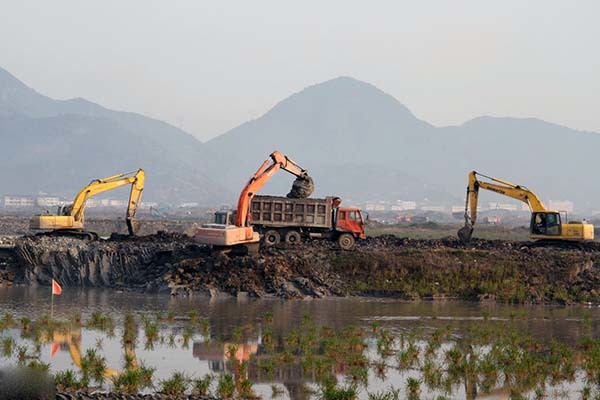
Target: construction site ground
pixel 383 266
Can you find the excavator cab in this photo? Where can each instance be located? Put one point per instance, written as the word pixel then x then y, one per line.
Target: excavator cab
pixel 225 217
pixel 546 223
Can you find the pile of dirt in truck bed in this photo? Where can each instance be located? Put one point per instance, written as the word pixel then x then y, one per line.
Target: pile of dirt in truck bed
pixel 404 268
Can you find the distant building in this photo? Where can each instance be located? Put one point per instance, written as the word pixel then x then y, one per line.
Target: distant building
pixel 433 208
pixel 375 207
pixel 189 205
pixel 148 204
pixel 12 201
pixel 117 203
pixel 503 206
pixel 404 205
pixel 461 209
pixel 92 203
pixel 48 201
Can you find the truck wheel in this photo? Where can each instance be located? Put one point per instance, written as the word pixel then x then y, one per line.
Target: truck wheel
pixel 271 238
pixel 293 237
pixel 346 241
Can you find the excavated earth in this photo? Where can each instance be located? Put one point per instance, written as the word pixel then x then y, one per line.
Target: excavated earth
pixel 384 266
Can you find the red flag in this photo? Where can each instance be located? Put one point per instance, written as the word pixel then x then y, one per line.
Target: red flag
pixel 56 289
pixel 54 349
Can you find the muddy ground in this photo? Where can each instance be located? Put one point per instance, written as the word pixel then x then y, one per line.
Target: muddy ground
pixel 485 270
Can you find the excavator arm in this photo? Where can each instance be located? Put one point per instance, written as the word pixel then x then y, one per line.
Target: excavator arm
pixel 498 186
pixel 241 234
pixel 269 167
pixel 110 183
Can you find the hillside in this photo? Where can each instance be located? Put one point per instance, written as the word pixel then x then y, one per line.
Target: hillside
pixel 356 141
pixel 362 143
pixel 348 134
pixel 57 146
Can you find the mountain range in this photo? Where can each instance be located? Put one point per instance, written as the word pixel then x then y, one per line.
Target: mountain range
pixel 356 141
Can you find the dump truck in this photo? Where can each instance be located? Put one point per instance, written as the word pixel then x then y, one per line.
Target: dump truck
pixel 283 219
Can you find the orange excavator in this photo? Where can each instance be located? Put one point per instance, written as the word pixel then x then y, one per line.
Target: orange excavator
pixel 241 233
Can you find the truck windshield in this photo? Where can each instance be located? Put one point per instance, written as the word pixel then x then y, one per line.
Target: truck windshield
pixel 354 216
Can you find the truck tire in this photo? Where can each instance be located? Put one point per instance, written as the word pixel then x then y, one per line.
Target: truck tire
pixel 346 241
pixel 293 238
pixel 271 238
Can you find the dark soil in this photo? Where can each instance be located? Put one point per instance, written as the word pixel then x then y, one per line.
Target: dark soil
pixel 483 270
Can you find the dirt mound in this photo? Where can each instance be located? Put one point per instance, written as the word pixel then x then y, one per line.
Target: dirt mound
pixel 173 262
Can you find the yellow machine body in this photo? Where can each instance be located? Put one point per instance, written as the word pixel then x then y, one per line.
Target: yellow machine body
pixel 54 222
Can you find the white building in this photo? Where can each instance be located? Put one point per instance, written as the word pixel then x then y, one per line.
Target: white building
pixel 118 203
pixel 92 203
pixel 503 206
pixel 404 205
pixel 11 201
pixel 434 208
pixel 375 207
pixel 48 201
pixel 148 204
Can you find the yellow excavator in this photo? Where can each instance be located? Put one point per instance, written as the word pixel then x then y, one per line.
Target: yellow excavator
pixel 545 225
pixel 69 220
pixel 71 339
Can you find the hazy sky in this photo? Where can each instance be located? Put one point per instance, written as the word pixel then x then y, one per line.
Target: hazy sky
pixel 209 66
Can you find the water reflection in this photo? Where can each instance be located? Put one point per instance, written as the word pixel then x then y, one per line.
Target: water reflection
pixel 425 350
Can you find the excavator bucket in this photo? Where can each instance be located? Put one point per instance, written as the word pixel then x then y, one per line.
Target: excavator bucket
pixel 133 226
pixel 302 188
pixel 465 233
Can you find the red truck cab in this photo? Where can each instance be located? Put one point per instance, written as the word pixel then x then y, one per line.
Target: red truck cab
pixel 349 219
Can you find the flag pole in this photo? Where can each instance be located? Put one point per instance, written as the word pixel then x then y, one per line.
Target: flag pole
pixel 52 296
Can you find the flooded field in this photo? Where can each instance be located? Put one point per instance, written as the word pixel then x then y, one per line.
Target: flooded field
pixel 334 348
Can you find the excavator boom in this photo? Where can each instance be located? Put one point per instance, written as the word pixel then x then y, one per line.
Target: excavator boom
pixel 265 172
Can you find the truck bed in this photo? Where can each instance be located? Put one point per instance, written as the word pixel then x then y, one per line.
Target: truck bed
pixel 275 211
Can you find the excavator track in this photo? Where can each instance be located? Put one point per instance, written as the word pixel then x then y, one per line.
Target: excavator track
pixel 75 234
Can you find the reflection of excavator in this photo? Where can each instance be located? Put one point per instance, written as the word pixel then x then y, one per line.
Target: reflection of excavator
pixel 241 233
pixel 72 340
pixel 69 220
pixel 545 225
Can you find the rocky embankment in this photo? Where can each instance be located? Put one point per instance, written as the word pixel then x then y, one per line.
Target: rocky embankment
pixel 382 266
